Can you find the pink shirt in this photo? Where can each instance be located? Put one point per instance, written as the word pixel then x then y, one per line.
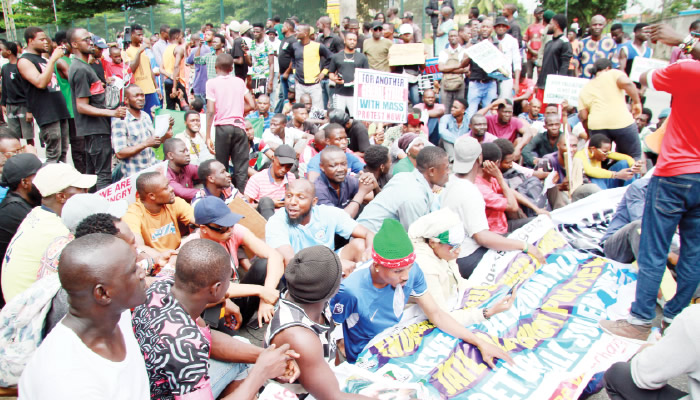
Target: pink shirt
pixel 262 184
pixel 228 93
pixel 496 204
pixel 507 131
pixel 231 245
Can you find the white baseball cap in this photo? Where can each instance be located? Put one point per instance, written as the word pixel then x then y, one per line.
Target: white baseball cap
pixel 234 26
pixel 467 151
pixel 54 177
pixel 405 28
pixel 83 205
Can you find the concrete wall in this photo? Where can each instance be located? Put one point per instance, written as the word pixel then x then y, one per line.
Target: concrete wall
pixel 680 24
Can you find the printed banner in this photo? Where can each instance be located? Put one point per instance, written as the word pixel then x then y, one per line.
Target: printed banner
pixel 559 88
pixel 380 96
pixel 641 65
pixel 125 189
pixel 551 331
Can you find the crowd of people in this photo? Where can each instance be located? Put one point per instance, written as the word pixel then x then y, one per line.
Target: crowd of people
pixel 148 299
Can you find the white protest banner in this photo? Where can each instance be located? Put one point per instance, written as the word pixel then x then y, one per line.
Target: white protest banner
pixel 125 189
pixel 487 56
pixel 380 96
pixel 642 64
pixel 559 88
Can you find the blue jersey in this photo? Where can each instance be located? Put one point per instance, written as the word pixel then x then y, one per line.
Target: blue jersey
pixel 366 311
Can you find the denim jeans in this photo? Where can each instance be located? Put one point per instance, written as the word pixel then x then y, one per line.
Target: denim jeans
pixel 326 87
pixel 480 94
pixel 610 183
pixel 413 94
pixel 670 202
pixel 284 92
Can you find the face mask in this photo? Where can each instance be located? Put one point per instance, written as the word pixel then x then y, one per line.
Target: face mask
pixel 515 15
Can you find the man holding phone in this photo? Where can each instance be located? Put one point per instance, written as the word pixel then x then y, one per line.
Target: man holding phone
pixel 267 187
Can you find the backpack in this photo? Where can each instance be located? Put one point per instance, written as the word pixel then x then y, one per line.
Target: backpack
pixel 530 187
pixel 452 81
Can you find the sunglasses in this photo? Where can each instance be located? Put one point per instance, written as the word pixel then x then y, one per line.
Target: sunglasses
pixel 219 229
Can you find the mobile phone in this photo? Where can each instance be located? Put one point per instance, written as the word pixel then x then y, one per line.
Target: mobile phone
pixel 213 315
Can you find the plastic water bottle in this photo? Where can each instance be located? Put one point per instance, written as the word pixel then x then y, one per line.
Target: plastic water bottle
pixel 655 335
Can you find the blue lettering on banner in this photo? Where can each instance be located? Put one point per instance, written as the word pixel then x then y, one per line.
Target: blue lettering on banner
pixel 163 231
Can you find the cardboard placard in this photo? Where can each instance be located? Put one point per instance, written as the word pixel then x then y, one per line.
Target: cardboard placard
pixel 407 54
pixel 487 56
pixel 380 96
pixel 641 65
pixel 251 220
pixel 559 88
pixel 125 189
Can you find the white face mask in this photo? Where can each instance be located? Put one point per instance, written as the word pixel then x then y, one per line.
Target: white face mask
pixel 515 15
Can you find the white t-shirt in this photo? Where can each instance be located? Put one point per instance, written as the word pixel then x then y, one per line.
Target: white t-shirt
pixel 465 199
pixel 291 137
pixel 63 368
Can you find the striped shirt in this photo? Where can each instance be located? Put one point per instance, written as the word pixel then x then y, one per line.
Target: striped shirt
pixel 263 184
pixel 129 132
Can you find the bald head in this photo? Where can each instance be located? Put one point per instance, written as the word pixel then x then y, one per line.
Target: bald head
pixel 201 264
pixel 304 185
pixel 330 153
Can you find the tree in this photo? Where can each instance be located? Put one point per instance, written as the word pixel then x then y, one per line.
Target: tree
pixel 585 9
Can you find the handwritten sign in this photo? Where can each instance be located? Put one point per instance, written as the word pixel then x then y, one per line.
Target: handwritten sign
pixel 380 96
pixel 125 189
pixel 641 65
pixel 487 56
pixel 407 54
pixel 559 88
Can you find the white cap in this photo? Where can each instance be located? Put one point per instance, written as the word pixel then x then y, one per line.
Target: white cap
pixel 83 205
pixel 405 28
pixel 467 151
pixel 234 26
pixel 54 177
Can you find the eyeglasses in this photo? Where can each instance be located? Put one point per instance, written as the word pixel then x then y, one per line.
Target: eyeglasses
pixel 219 229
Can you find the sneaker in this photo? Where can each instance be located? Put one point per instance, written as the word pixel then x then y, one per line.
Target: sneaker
pixel 624 329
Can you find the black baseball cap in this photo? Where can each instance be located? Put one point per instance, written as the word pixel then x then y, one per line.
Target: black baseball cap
pixel 286 154
pixel 19 167
pixel 376 24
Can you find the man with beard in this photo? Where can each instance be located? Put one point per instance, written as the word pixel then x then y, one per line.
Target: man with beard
pixel 335 188
pixel 303 223
pixel 478 127
pixel 342 72
pixel 335 136
pixel 217 182
pixel 17 174
pixel 194 139
pixel 209 58
pixel 267 187
pixel 594 47
pixel 435 112
pixel 503 125
pixel 181 173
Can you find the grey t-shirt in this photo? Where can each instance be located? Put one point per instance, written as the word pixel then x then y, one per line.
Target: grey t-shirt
pixel 84 82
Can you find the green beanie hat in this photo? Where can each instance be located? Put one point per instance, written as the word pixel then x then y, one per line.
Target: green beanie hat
pixel 392 247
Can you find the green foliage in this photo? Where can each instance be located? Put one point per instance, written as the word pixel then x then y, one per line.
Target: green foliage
pixel 585 9
pixel 37 12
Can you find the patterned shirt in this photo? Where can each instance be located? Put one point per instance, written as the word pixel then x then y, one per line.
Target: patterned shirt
pixel 131 131
pixel 592 50
pixel 176 349
pixel 210 61
pixel 259 53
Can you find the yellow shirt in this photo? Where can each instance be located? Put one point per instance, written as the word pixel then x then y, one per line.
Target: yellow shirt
pixel 169 63
pixel 160 231
pixel 593 169
pixel 23 257
pixel 143 75
pixel 605 102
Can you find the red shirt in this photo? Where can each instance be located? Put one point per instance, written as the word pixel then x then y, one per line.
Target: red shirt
pixel 118 70
pixel 507 131
pixel 525 85
pixel 496 204
pixel 680 149
pixel 533 35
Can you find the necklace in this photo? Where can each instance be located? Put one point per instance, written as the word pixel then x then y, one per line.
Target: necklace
pixel 345 56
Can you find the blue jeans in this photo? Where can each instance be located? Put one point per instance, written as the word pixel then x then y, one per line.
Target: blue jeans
pixel 326 88
pixel 413 94
pixel 152 100
pixel 610 183
pixel 434 130
pixel 284 92
pixel 670 202
pixel 480 94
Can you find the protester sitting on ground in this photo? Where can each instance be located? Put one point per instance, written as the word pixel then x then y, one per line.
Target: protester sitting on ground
pixel 379 165
pixel 435 112
pixel 646 376
pixel 279 134
pixel 215 221
pixel 303 223
pixel 265 190
pixel 503 125
pixel 216 363
pixel 304 322
pixel 262 110
pixel 194 139
pixel 543 143
pixel 507 162
pixel 462 196
pixel 335 136
pixel 316 116
pixel 182 175
pixel 133 137
pixel 437 238
pixel 77 209
pixel 313 147
pixel 392 135
pixel 411 144
pixel 603 108
pixel 556 162
pixel 9 147
pixel 607 169
pixel 356 131
pixel 478 127
pixel 643 121
pixel 338 189
pixel 157 214
pixel 56 184
pixel 368 300
pixel 621 239
pixel 93 349
pixel 498 196
pixel 300 121
pixel 409 196
pixel 216 181
pixel 533 114
pixel 453 125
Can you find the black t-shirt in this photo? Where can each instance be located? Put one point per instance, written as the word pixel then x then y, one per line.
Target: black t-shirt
pixel 84 82
pixel 13 86
pixel 240 70
pixel 99 70
pixel 285 53
pixel 358 136
pixel 476 72
pixel 48 105
pixel 333 42
pixel 345 64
